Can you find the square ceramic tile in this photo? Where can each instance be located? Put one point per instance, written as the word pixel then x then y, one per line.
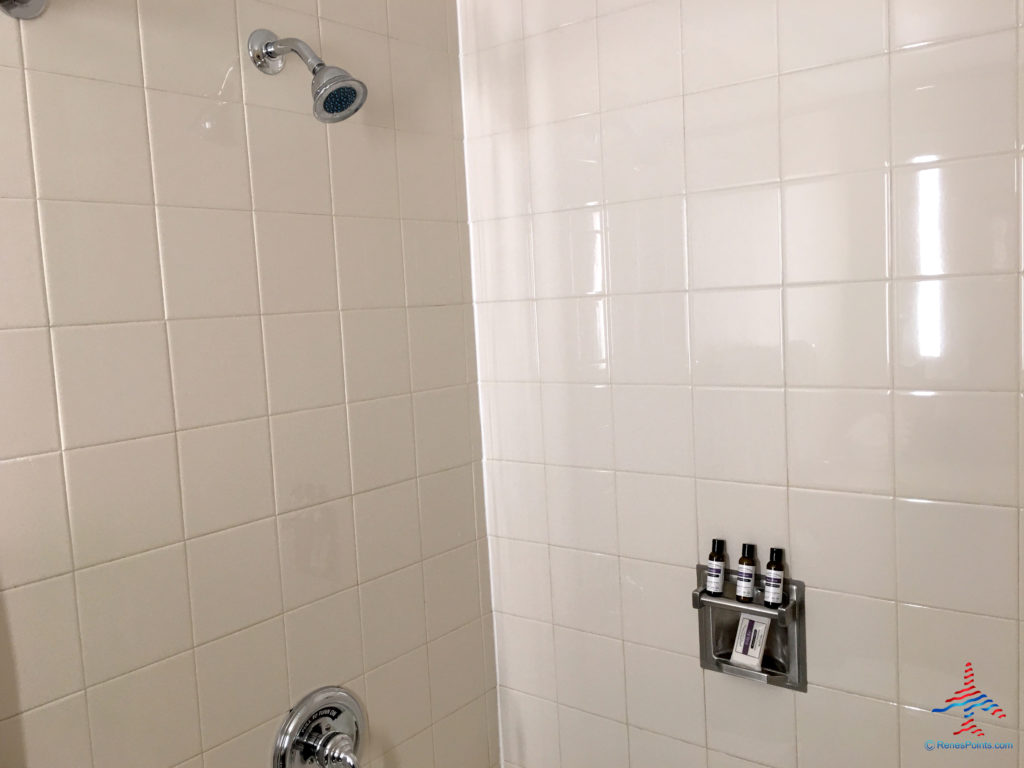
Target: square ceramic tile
pixel 957 446
pixel 506 341
pixel 578 425
pixel 393 623
pixel 95 40
pixel 463 737
pixel 37 544
pixel 512 419
pixel 587 739
pixel 665 693
pixel 218 370
pixel 226 477
pixel 243 681
pixel 959 333
pixel 755 722
pixel 942 213
pixel 365 14
pixel 836 228
pixel 111 485
pixel 830 532
pixel 646 589
pixel 565 167
pixel 840 439
pixel 234 579
pixel 457 676
pixel 813 33
pixel 504 156
pixel 87 280
pixel 113 382
pixel 737 337
pixel 304 367
pixel 17 172
pixel 838 335
pixel 426 176
pixel 22 296
pixel 121 722
pixel 212 67
pixel 649 339
pixel 632 74
pixel 376 353
pixel 935 647
pixel 104 155
pixel 930 533
pixel 657 518
pixel 732 135
pixel 581 509
pixel 199 151
pixel 401 689
pixel 324 642
pixel 443 429
pixel 914 21
pixel 516 506
pixel 28 417
pixel 720 254
pixel 562 74
pixel 387 529
pixel 209 262
pixel 726 43
pixel 364 172
pixel 247 748
pixel 421 21
pixel 437 346
pixel 133 612
pixel 584 591
pixel 433 269
pixel 646 748
pixel 577 655
pixel 311 572
pixel 299 181
pixel 646 246
pixel 864 662
pixel 311 457
pixel 739 434
pixel 521 714
pixel 296 260
pixel 370 267
pixel 494 90
pixel 643 151
pixel 836 119
pixel 447 509
pixel 653 429
pixel 451 590
pixel 383 451
pixel 954 99
pixel 568 253
pixel 44 660
pixel 501 253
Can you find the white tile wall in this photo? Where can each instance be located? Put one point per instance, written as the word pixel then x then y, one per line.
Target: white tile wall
pixel 786 310
pixel 205 351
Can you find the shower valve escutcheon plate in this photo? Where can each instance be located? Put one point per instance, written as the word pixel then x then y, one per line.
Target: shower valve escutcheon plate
pixel 326 728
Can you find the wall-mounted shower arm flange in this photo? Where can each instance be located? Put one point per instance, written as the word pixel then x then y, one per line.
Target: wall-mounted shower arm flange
pixel 268 52
pixel 23 9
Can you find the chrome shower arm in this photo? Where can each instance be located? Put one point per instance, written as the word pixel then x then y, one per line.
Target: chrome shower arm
pixel 283 47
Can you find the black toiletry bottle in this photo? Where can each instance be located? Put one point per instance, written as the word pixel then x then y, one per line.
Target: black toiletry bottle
pixel 773 574
pixel 746 574
pixel 714 576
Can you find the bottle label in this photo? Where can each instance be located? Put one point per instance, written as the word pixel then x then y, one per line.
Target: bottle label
pixel 714 577
pixel 744 581
pixel 773 587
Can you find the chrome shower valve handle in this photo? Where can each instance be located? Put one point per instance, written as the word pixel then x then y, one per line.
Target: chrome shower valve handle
pixel 326 728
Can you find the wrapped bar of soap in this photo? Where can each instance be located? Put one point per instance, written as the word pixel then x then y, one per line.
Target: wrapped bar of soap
pixel 748 650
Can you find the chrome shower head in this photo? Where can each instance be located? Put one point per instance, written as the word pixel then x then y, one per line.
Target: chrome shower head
pixel 336 94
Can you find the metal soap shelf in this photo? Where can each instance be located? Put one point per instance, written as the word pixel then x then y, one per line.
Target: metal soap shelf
pixel 785 658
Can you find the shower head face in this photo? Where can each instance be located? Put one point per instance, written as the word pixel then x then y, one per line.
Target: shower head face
pixel 336 94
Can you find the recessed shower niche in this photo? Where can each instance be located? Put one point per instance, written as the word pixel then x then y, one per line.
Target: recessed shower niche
pixel 785 644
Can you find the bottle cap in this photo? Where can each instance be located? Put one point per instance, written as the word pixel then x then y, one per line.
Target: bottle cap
pixel 750 550
pixel 718 546
pixel 777 554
